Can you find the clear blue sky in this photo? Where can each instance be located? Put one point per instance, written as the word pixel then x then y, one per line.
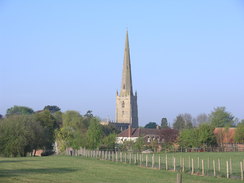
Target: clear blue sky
pixel 187 56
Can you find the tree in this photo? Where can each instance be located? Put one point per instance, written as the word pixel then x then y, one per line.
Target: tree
pixel 48 122
pixel 52 108
pixel 164 123
pixel 1 116
pixel 151 125
pixel 189 138
pixel 20 134
pixel 206 135
pixel 94 134
pixel 239 133
pixel 88 114
pixel 202 118
pixel 220 118
pixel 17 110
pixel 183 121
pixel 72 132
pixel 139 144
pixel 108 142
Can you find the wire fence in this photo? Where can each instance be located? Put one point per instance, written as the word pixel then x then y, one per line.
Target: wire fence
pixel 195 165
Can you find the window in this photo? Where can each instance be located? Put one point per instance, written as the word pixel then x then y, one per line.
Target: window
pixel 123 104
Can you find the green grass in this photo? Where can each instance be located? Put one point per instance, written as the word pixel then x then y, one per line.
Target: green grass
pixel 208 158
pixel 59 169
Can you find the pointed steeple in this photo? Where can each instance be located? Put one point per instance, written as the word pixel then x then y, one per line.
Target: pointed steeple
pixel 126 87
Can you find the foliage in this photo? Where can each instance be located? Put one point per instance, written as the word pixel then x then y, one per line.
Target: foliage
pixel 206 135
pixel 239 133
pixel 108 142
pixel 52 108
pixel 72 133
pixel 139 144
pixel 94 134
pixel 198 137
pixel 183 121
pixel 109 129
pixel 49 123
pixel 220 118
pixel 164 123
pixel 151 125
pixel 17 110
pixel 188 138
pixel 20 134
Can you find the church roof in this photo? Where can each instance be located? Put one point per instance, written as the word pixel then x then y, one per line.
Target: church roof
pixel 126 85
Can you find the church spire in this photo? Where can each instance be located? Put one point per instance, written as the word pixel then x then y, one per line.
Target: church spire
pixel 126 87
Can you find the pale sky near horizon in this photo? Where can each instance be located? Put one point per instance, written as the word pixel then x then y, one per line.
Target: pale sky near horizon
pixel 186 56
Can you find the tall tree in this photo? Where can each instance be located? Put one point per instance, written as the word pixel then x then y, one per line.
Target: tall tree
pixel 221 118
pixel 239 133
pixel 20 134
pixel 151 125
pixel 94 134
pixel 202 118
pixel 52 108
pixel 17 110
pixel 164 123
pixel 206 135
pixel 48 122
pixel 183 121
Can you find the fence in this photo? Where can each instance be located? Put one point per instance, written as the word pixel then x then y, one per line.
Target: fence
pixel 210 166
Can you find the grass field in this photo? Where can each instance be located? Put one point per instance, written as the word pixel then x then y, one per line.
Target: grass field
pixel 80 169
pixel 208 157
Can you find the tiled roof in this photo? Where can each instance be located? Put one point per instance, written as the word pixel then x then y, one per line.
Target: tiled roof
pixel 140 132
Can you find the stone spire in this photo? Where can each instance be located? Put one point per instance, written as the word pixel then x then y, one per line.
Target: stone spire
pixel 126 85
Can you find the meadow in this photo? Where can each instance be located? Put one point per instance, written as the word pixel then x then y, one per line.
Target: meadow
pixel 72 169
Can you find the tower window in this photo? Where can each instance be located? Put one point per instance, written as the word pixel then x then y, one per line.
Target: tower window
pixel 123 86
pixel 123 113
pixel 123 104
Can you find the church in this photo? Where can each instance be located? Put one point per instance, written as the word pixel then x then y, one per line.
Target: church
pixel 126 100
pixel 126 113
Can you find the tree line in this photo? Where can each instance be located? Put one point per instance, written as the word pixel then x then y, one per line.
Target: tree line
pixel 199 132
pixel 23 131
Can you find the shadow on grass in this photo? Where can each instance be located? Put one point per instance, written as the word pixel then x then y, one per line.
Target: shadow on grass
pixel 15 161
pixel 18 172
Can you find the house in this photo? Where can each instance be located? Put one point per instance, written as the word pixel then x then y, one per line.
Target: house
pixel 159 135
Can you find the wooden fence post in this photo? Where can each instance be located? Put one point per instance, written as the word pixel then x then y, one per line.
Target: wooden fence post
pixel 241 167
pixel 146 160
pixel 159 162
pixel 214 168
pixel 227 169
pixel 183 164
pixel 174 162
pixel 152 160
pixel 125 157
pixel 230 167
pixel 135 156
pixel 208 163
pixel 202 167
pixel 219 166
pixel 179 178
pixel 130 157
pixel 121 156
pixel 198 163
pixel 166 162
pixel 192 166
pixel 189 162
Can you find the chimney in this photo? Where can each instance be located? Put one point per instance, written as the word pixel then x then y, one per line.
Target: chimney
pixel 129 131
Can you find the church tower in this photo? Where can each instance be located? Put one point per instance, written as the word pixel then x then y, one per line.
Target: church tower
pixel 126 101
